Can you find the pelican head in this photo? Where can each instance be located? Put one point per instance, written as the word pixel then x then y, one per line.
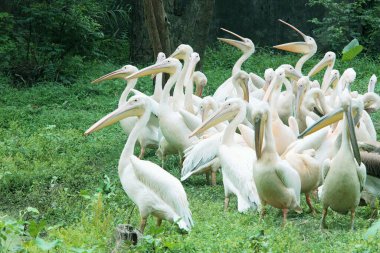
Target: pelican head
pixel 241 78
pixel 307 47
pixel 169 66
pixel 372 83
pixel 206 105
pixel 347 78
pixel 352 110
pixel 200 80
pixel 334 78
pixel 302 86
pixel 291 72
pixel 258 117
pixel 276 82
pixel 228 110
pixel 182 52
pixel 268 77
pixel 160 57
pixel 244 44
pixel 135 106
pixel 120 73
pixel 328 60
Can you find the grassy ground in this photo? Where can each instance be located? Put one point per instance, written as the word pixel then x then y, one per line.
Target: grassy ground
pixel 46 163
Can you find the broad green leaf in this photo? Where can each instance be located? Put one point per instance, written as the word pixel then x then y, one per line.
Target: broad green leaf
pixel 36 227
pixel 45 245
pixel 373 230
pixel 351 50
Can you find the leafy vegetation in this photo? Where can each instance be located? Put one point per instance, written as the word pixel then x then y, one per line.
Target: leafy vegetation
pixel 345 20
pixel 51 40
pixel 60 191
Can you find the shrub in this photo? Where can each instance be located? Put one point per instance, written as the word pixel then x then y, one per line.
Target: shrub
pixel 50 40
pixel 345 20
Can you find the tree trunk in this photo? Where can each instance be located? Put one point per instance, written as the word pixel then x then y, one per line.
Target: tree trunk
pixel 156 22
pixel 162 24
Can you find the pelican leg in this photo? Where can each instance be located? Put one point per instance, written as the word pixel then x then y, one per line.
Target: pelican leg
pixel 180 161
pixel 284 216
pixel 308 201
pixel 207 177
pixel 162 163
pixel 226 202
pixel 159 221
pixel 143 224
pixel 213 178
pixel 323 221
pixel 352 218
pixel 263 210
pixel 142 153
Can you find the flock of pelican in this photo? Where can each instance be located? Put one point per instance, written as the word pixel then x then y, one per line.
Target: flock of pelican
pixel 273 138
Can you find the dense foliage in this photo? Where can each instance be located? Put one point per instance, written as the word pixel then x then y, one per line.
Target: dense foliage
pixel 345 20
pixel 50 40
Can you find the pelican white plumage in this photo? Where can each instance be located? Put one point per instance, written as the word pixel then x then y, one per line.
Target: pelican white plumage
pixel 150 135
pixel 307 48
pixel 278 184
pixel 226 89
pixel 345 174
pixel 283 135
pixel 182 52
pixel 171 123
pixel 236 160
pixel 154 191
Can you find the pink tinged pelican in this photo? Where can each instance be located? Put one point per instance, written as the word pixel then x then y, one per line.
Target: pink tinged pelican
pixel 154 191
pixel 308 48
pixel 236 160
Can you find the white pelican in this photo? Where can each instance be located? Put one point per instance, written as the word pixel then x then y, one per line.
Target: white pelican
pixel 236 160
pixel 150 135
pixel 307 48
pixel 327 61
pixel 182 52
pixel 283 135
pixel 171 123
pixel 154 191
pixel 278 184
pixel 200 81
pixel 226 89
pixel 345 174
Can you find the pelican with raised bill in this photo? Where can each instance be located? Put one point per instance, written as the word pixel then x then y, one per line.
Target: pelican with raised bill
pixel 226 89
pixel 308 47
pixel 344 175
pixel 155 191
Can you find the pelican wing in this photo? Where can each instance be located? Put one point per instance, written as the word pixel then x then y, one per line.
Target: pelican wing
pixel 199 154
pixel 165 185
pixel 289 177
pixel 248 135
pixel 191 121
pixel 325 168
pixel 237 165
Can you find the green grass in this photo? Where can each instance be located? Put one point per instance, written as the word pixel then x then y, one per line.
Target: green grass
pixel 47 163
